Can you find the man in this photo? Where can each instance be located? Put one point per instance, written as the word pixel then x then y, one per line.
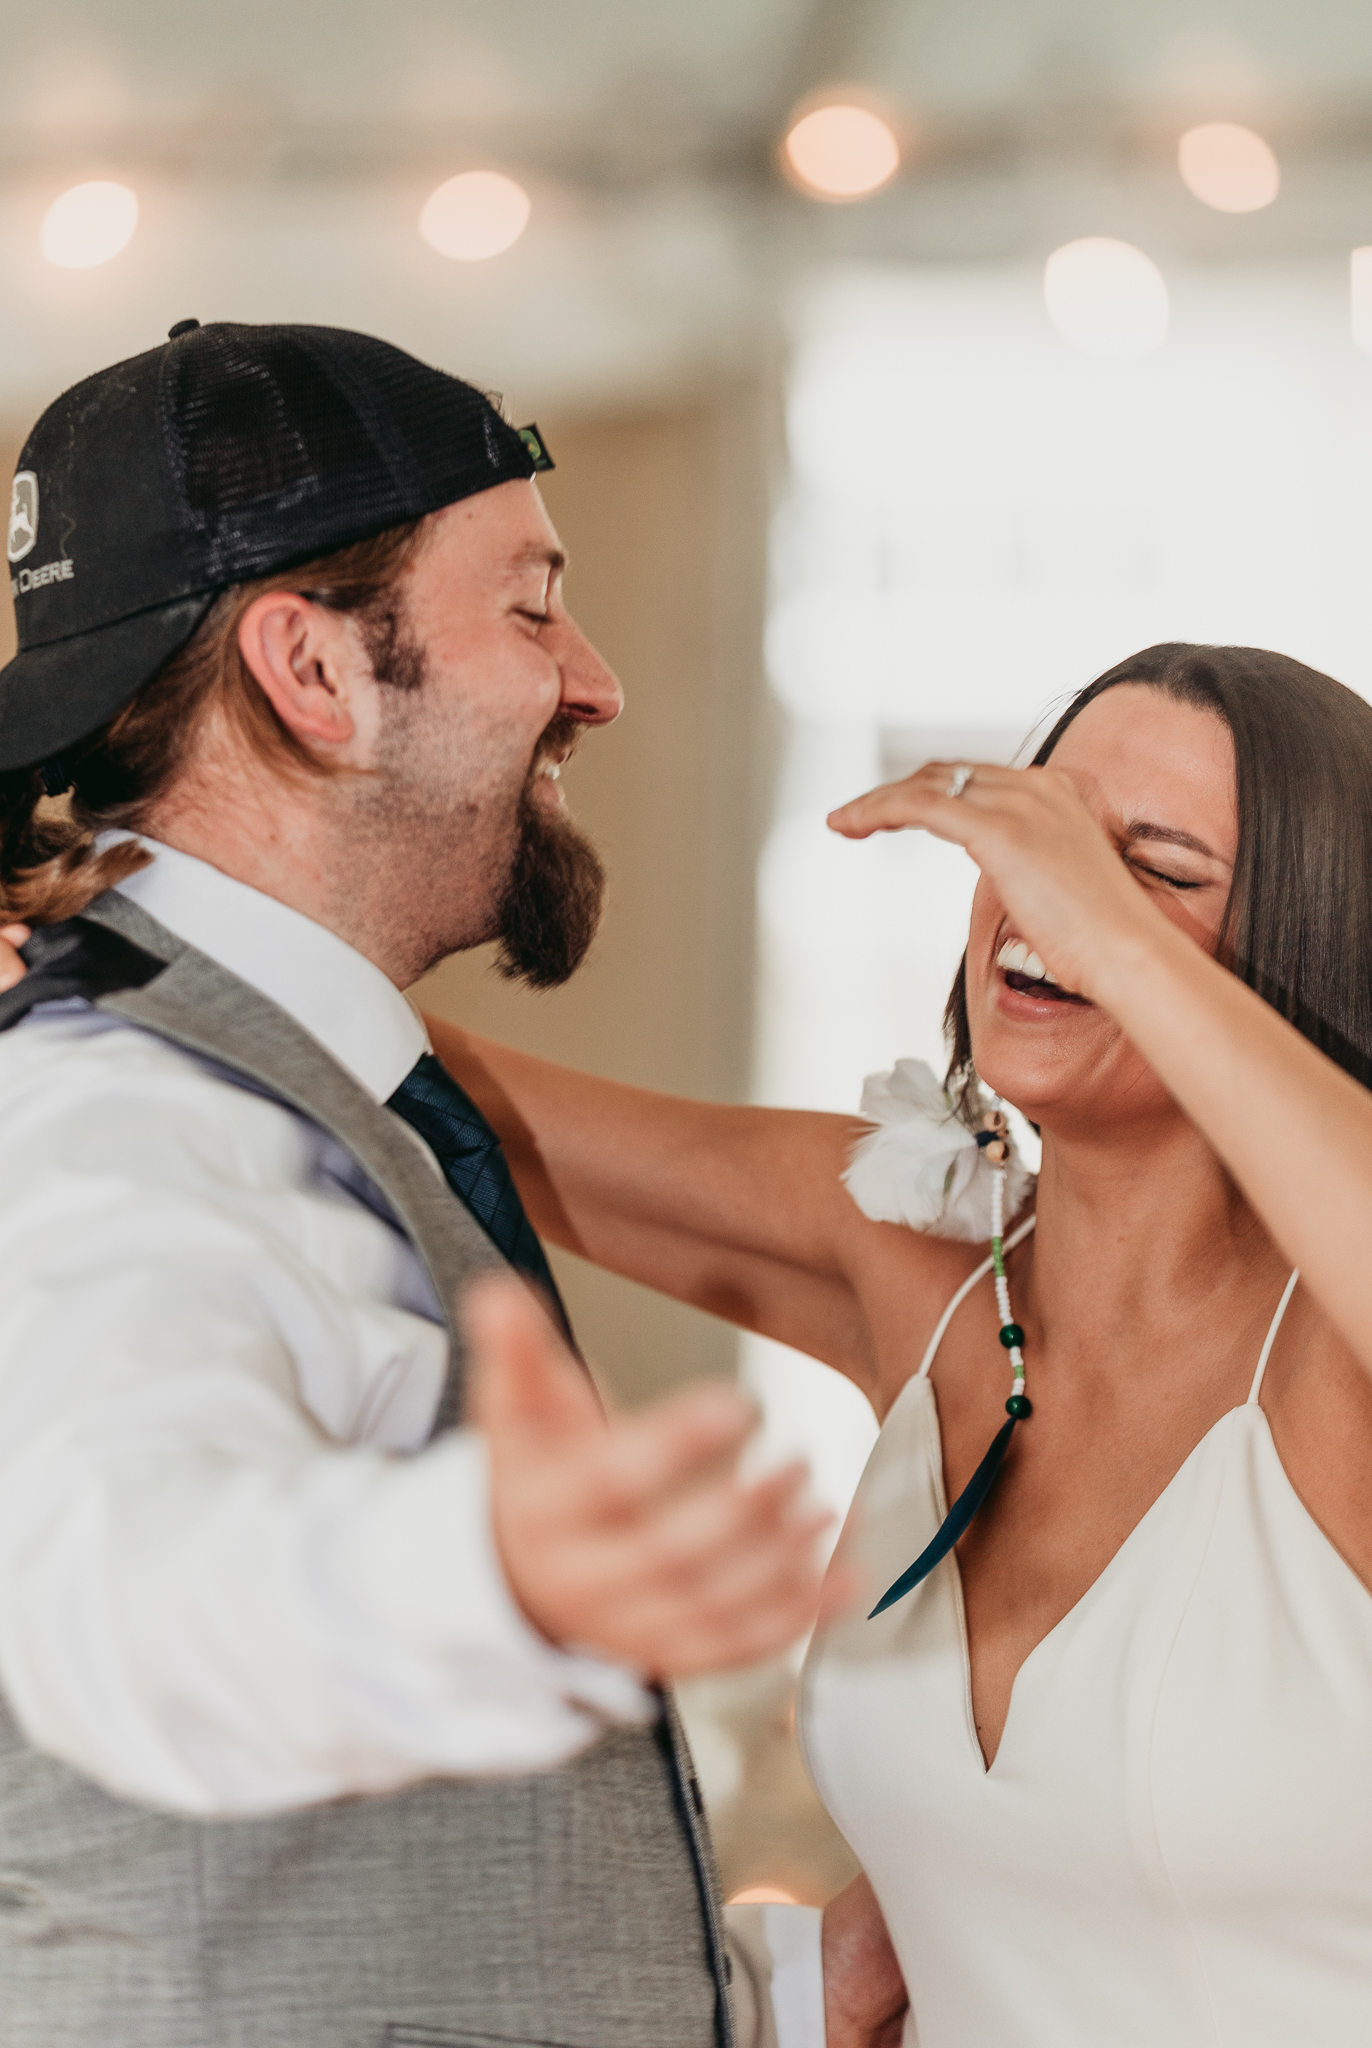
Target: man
pixel 329 1626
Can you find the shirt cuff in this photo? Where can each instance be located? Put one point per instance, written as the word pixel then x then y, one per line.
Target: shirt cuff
pixel 778 1975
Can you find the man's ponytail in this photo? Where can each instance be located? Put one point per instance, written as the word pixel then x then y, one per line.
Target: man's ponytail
pixel 49 866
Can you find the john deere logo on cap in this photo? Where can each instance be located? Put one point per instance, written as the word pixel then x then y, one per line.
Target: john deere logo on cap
pixel 23 534
pixel 534 444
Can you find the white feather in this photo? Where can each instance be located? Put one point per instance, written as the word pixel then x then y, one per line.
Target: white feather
pixel 921 1166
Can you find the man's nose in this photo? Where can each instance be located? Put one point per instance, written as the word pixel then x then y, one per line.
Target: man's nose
pixel 590 687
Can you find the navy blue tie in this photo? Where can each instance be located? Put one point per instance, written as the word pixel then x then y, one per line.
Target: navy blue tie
pixel 474 1167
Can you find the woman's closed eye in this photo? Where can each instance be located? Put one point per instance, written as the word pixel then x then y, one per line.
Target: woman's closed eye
pixel 1159 875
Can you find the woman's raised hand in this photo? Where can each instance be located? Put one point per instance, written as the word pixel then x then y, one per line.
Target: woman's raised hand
pixel 1061 879
pixel 12 968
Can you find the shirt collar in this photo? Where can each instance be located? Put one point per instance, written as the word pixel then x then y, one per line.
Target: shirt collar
pixel 329 988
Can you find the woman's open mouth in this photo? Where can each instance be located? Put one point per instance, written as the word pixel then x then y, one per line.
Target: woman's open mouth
pixel 1026 974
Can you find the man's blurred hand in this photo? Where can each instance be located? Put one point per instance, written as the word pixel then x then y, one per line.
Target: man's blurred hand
pixel 865 2000
pixel 12 968
pixel 633 1535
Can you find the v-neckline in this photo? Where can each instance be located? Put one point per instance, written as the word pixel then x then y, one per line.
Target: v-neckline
pixel 923 1378
pixel 1106 1571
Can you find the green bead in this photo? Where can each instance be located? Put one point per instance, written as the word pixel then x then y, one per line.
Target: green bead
pixel 1019 1405
pixel 1010 1335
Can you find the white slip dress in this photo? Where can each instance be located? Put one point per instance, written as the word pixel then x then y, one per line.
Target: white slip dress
pixel 1173 1846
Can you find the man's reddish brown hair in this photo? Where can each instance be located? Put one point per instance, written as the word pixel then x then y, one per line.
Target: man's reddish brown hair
pixel 49 867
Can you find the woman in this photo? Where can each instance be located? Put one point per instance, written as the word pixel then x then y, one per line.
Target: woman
pixel 1108 1766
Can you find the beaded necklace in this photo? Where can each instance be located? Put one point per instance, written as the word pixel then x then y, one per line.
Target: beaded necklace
pixel 994 1141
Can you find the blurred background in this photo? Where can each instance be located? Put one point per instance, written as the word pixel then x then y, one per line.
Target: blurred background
pixel 905 363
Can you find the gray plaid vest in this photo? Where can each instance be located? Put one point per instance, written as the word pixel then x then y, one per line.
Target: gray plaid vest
pixel 576 1908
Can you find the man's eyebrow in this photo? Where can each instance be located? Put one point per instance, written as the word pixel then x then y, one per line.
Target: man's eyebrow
pixel 539 555
pixel 1168 835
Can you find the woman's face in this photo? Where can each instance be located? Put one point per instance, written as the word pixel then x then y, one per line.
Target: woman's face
pixel 1158 777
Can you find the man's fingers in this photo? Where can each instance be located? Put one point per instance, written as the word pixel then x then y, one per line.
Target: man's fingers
pixel 524 1380
pixel 724 1577
pixel 680 1634
pixel 701 1642
pixel 844 1588
pixel 671 1445
pixel 12 968
pixel 723 1529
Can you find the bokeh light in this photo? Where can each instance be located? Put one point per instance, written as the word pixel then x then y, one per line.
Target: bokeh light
pixel 763 1895
pixel 1106 298
pixel 476 215
pixel 842 152
pixel 89 224
pixel 1228 167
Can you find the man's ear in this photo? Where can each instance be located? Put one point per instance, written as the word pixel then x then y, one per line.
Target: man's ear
pixel 303 660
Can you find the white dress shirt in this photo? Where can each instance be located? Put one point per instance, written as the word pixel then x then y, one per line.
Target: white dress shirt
pixel 221 1590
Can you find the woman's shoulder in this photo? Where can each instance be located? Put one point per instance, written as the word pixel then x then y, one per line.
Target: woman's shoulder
pixel 918 1166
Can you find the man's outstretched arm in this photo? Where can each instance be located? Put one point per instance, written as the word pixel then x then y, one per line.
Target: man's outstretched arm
pixel 221 1588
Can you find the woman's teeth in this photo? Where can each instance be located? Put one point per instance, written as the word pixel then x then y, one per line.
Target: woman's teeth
pixel 1016 958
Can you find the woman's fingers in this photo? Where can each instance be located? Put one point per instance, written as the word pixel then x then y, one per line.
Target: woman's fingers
pixel 940 791
pixel 933 794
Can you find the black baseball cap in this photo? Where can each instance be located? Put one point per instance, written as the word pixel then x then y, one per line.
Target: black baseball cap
pixel 228 453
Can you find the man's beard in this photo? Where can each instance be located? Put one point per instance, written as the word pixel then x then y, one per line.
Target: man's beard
pixel 547 883
pixel 551 908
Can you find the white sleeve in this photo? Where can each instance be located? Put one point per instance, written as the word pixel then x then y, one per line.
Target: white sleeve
pixel 208 1601
pixel 777 1975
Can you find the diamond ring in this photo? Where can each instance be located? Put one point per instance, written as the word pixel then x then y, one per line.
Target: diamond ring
pixel 961 777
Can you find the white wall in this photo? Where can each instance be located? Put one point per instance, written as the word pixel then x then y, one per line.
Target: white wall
pixel 979 521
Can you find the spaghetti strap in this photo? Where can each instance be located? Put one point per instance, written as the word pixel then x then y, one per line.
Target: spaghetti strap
pixel 1015 1237
pixel 1271 1337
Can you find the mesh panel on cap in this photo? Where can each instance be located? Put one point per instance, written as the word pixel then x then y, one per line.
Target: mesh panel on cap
pixel 248 423
pixel 448 429
pixel 290 441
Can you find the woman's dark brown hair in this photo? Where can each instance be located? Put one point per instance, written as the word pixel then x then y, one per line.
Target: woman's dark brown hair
pixel 1298 923
pixel 49 866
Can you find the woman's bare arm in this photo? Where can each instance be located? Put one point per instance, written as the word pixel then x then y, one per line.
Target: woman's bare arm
pixel 738 1211
pixel 1293 1129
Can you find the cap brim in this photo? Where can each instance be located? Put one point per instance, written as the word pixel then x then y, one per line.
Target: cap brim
pixel 53 696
